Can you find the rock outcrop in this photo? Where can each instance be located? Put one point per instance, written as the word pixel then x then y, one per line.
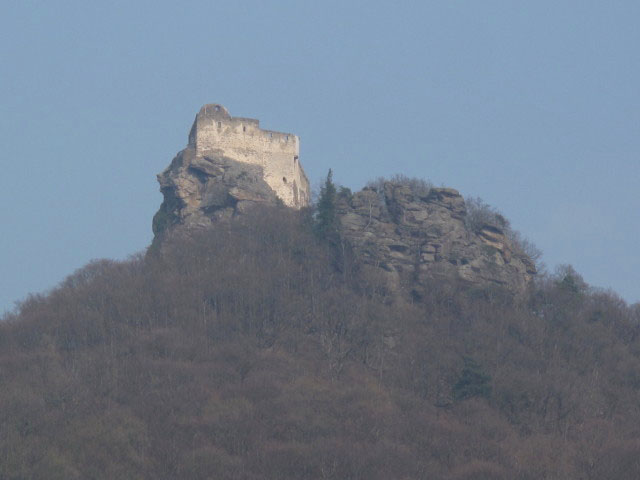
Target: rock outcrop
pixel 200 190
pixel 229 165
pixel 414 237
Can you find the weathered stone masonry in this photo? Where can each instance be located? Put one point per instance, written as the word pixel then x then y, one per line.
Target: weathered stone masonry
pixel 215 132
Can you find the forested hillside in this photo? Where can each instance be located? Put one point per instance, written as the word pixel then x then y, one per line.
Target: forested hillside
pixel 256 350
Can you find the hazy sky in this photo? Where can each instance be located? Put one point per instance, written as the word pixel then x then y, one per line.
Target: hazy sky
pixel 533 106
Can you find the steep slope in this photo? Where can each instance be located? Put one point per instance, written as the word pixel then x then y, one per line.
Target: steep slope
pixel 238 353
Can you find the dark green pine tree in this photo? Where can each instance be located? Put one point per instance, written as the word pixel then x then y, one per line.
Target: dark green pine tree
pixel 473 382
pixel 326 224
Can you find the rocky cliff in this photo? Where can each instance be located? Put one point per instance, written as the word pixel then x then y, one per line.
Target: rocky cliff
pixel 411 234
pixel 229 164
pixel 200 190
pixel 416 236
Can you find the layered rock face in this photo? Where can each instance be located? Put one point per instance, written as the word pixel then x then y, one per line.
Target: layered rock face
pixel 415 237
pixel 229 165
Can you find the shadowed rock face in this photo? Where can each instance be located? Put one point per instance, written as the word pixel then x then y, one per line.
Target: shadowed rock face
pixel 200 190
pixel 415 238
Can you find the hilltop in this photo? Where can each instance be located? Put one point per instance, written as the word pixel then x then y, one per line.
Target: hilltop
pixel 244 353
pixel 399 332
pixel 406 228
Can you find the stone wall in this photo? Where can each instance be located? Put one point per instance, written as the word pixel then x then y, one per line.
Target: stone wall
pixel 217 133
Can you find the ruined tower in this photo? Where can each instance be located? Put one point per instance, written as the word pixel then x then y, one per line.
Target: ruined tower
pixel 217 133
pixel 229 165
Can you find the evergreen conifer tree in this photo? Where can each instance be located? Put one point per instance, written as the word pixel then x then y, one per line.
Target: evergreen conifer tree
pixel 473 382
pixel 326 222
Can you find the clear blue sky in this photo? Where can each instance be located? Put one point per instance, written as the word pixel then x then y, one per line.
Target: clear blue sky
pixel 533 106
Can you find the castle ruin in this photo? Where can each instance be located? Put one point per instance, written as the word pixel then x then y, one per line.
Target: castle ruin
pixel 216 133
pixel 410 236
